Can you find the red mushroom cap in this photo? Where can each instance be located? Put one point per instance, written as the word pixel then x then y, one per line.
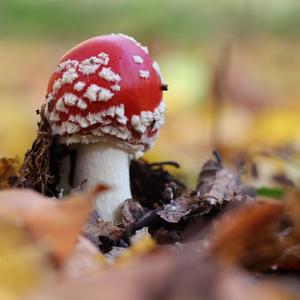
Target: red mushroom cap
pixel 107 86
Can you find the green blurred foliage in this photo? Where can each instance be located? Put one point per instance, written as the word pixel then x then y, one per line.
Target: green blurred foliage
pixel 276 193
pixel 178 20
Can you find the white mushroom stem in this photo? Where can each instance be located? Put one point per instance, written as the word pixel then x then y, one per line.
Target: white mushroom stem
pixel 103 163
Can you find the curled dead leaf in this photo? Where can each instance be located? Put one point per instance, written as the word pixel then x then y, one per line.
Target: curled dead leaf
pixel 132 211
pixel 246 236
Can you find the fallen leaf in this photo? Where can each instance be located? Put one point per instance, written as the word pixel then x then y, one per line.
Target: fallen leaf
pixel 132 211
pixel 217 185
pixel 148 181
pixel 41 167
pixel 246 236
pixel 57 223
pixel 215 188
pixel 177 209
pixel 103 234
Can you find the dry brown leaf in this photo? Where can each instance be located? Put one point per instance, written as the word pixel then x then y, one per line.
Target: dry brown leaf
pixel 148 181
pixel 177 209
pixel 216 187
pixel 290 259
pixel 246 235
pixel 42 162
pixel 103 234
pixel 262 236
pixel 132 211
pixel 57 223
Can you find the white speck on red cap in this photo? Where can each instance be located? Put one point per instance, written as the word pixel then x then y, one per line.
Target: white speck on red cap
pixel 94 118
pixel 104 94
pixel 109 75
pixel 144 73
pixel 66 64
pixel 115 87
pixel 120 110
pixel 137 59
pixel 104 57
pixel 83 122
pixel 137 125
pixel 120 113
pixel 79 86
pixel 81 104
pixel 110 111
pixel 97 93
pixel 70 99
pixel 141 122
pixel 60 106
pixel 90 65
pixel 57 85
pixel 92 92
pixel 69 76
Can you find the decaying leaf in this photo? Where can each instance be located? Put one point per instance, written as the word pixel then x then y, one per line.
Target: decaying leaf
pixel 132 211
pixel 55 223
pixel 262 236
pixel 290 258
pixel 41 167
pixel 148 182
pixel 246 236
pixel 176 209
pixel 216 187
pixel 103 234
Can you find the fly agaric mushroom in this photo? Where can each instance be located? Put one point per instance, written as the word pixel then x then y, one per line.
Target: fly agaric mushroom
pixel 105 99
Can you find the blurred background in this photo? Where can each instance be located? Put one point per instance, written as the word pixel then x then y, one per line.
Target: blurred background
pixel 233 69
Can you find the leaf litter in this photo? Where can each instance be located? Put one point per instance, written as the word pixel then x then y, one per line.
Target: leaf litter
pixel 208 243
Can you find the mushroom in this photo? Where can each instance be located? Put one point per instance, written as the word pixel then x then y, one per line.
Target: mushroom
pixel 105 100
